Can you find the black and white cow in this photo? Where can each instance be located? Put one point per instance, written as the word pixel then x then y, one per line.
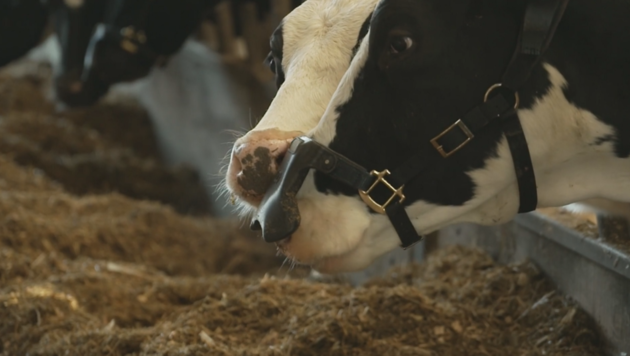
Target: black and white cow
pixel 137 35
pixel 22 25
pixel 423 64
pixel 105 42
pixel 74 22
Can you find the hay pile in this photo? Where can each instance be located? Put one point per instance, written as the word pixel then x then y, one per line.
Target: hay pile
pixel 109 275
pixel 42 227
pixel 461 305
pixel 106 148
pixel 50 240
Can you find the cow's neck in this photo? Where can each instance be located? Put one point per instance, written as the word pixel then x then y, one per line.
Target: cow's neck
pixel 576 132
pixel 573 159
pixel 575 154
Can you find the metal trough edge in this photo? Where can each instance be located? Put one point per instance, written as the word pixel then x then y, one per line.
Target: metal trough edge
pixel 589 270
pixel 594 249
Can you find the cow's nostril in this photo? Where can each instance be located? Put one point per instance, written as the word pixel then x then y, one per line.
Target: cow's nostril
pixel 255 163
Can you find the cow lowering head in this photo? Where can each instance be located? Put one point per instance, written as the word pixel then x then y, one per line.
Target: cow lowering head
pixel 74 22
pixel 310 51
pixel 128 40
pixel 426 63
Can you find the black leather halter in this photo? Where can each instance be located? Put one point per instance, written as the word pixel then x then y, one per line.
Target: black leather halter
pixel 278 215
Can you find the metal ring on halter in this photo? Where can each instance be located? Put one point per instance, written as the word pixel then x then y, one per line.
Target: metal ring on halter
pixel 517 99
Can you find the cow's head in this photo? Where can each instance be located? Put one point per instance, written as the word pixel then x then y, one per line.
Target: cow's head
pixel 74 22
pixel 310 52
pixel 424 64
pixel 128 41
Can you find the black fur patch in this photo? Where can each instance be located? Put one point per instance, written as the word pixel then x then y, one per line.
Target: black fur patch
pixel 362 33
pixel 274 60
pixel 402 100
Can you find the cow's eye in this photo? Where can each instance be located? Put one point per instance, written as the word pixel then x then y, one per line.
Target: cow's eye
pixel 400 44
pixel 271 63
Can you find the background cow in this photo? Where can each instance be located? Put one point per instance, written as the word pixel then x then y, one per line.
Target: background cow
pixel 120 41
pixel 73 23
pixel 405 86
pixel 134 36
pixel 102 43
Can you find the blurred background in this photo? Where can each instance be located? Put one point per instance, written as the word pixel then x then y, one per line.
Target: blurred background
pixel 193 68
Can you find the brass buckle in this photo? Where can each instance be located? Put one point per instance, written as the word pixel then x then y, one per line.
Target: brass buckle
pixel 459 123
pixel 365 195
pixel 465 128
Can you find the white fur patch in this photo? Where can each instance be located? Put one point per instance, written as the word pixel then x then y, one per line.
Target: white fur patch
pixel 342 221
pixel 318 38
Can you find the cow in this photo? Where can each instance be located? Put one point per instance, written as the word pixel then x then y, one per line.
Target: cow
pixel 102 41
pixel 22 25
pixel 105 42
pixel 136 36
pixel 73 23
pixel 421 65
pixel 121 41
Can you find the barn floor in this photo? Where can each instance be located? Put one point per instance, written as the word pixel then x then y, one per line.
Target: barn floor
pixel 96 260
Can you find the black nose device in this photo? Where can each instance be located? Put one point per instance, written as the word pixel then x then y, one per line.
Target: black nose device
pixel 278 215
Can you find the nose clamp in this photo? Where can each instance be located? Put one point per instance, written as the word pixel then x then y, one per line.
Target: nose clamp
pixel 278 215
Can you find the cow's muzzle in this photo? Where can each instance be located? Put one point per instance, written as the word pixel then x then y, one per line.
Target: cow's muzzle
pixel 278 215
